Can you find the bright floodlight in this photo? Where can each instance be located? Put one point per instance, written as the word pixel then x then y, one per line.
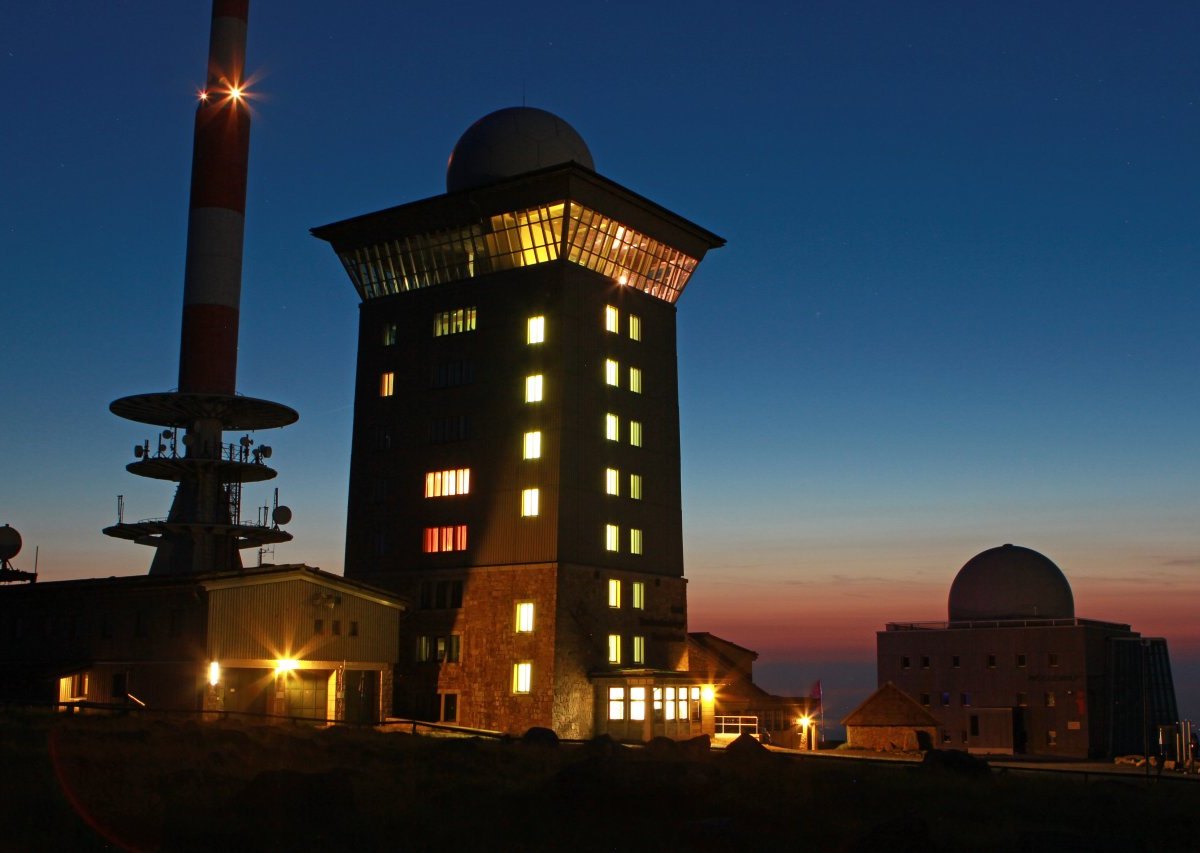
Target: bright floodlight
pixel 214 673
pixel 286 665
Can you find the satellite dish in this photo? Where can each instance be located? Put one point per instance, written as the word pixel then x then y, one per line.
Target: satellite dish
pixel 189 440
pixel 10 542
pixel 266 451
pixel 245 441
pixel 282 515
pixel 166 433
pixel 138 450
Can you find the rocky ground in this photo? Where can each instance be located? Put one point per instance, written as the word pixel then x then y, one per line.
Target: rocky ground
pixel 90 783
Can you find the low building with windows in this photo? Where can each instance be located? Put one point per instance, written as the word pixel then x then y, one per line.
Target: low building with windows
pixel 789 721
pixel 515 465
pixel 1013 671
pixel 278 641
pixel 889 720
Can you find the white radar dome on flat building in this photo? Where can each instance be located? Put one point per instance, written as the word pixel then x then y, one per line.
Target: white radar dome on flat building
pixel 511 142
pixel 1010 582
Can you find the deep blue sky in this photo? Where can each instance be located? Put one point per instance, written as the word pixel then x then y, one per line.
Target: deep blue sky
pixel 957 307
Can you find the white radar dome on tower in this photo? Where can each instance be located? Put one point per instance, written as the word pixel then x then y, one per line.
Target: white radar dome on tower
pixel 511 142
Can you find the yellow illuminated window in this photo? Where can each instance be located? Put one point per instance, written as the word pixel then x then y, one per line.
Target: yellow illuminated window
pixel 635 433
pixel 387 384
pixel 670 703
pixel 612 319
pixel 635 541
pixel 533 445
pixel 612 371
pixel 635 380
pixel 612 538
pixel 524 617
pixel 453 322
pixel 639 595
pixel 533 388
pixel 614 648
pixel 614 592
pixel 612 427
pixel 535 332
pixel 455 481
pixel 639 649
pixel 637 703
pixel 635 486
pixel 612 481
pixel 616 703
pixel 522 680
pixel 529 502
pixel 635 327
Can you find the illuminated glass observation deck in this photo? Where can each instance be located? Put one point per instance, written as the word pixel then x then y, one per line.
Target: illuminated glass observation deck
pixel 574 215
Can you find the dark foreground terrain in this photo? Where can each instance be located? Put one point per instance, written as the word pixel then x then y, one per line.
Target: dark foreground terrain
pixel 88 783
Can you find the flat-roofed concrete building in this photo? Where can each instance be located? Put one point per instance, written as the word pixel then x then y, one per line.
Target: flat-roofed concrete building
pixel 515 466
pixel 1014 671
pixel 279 640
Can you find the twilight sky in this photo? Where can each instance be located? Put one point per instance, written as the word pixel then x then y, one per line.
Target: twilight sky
pixel 957 308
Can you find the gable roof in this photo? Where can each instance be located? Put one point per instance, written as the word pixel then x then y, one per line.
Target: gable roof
pixel 890 706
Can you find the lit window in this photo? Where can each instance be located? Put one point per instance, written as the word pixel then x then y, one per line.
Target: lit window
pixel 424 649
pixel 635 486
pixel 387 384
pixel 524 617
pixel 637 703
pixel 612 319
pixel 635 327
pixel 1051 738
pixel 639 649
pixel 639 595
pixel 683 705
pixel 535 332
pixel 389 334
pixel 453 322
pixel 616 703
pixel 522 677
pixel 1051 699
pixel 614 592
pixel 635 541
pixel 612 537
pixel 670 703
pixel 533 388
pixel 529 502
pixel 448 538
pixel 612 371
pixel 455 481
pixel 612 481
pixel 635 380
pixel 614 648
pixel 635 433
pixel 533 445
pixel 612 427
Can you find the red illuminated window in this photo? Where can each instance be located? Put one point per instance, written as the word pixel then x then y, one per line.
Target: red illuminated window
pixel 449 538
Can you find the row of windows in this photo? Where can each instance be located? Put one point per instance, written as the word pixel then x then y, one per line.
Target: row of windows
pixel 1051 735
pixel 612 430
pixel 612 375
pixel 1049 699
pixel 454 481
pixel 612 323
pixel 612 539
pixel 335 628
pixel 1020 661
pixel 614 649
pixel 440 595
pixel 612 484
pixel 451 537
pixel 637 594
pixel 453 322
pixel 446 649
pixel 667 703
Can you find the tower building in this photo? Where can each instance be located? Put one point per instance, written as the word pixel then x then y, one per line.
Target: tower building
pixel 515 465
pixel 204 531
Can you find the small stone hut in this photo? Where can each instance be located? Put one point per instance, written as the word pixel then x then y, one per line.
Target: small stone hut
pixel 890 720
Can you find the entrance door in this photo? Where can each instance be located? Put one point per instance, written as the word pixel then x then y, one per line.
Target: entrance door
pixel 362 696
